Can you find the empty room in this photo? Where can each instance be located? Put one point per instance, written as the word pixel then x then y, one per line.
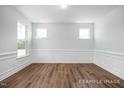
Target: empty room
pixel 61 46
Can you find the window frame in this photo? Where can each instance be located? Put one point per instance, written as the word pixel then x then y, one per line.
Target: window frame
pixel 41 37
pixel 84 38
pixel 26 36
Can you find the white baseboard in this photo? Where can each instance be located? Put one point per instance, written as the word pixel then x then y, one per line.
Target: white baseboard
pixel 10 72
pixel 61 61
pixel 115 72
pixel 110 61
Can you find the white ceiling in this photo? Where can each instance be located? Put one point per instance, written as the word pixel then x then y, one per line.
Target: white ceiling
pixel 72 14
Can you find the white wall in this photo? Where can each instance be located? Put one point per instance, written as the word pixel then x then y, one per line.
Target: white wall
pixel 8 41
pixel 62 43
pixel 62 36
pixel 109 42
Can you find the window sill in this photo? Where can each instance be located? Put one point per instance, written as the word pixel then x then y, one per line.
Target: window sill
pixel 19 57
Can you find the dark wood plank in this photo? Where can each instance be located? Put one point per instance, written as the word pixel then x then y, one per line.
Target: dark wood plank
pixel 62 76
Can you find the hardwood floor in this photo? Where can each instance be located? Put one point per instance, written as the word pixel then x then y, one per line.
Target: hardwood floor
pixel 62 76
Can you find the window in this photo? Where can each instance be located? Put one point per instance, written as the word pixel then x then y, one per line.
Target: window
pixel 21 39
pixel 41 33
pixel 84 33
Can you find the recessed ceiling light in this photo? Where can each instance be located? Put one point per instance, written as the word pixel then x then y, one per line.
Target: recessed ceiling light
pixel 63 6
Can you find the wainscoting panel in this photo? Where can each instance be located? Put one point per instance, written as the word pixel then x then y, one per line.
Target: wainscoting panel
pixel 9 64
pixel 62 56
pixel 111 61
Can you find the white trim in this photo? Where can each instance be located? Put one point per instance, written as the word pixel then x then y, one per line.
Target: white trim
pixel 62 55
pixel 110 61
pixel 68 50
pixel 62 61
pixel 8 57
pixel 22 56
pixel 8 53
pixel 110 52
pixel 115 72
pixel 10 72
